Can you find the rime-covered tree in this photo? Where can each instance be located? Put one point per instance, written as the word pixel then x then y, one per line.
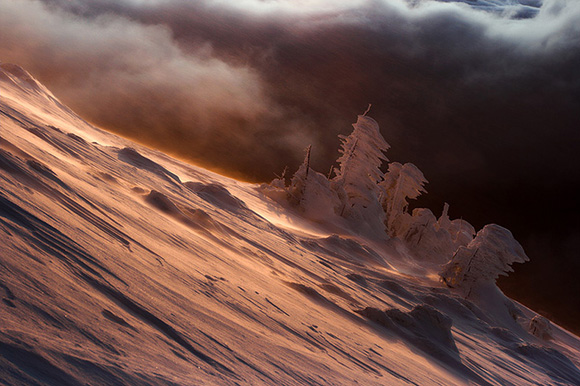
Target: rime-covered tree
pixel 299 181
pixel 444 222
pixel 489 255
pixel 358 173
pixel 401 183
pixel 310 192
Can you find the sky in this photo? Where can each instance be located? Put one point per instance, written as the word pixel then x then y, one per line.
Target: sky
pixel 484 98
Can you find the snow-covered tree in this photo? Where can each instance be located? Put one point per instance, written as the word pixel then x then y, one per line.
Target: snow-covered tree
pixel 299 180
pixel 461 232
pixel 489 255
pixel 279 181
pixel 358 174
pixel 401 182
pixel 309 192
pixel 424 239
pixel 430 239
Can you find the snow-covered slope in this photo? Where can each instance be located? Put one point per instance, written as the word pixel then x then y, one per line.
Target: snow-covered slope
pixel 121 265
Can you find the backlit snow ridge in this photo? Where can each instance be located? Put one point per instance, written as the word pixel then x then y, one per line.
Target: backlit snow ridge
pixel 122 265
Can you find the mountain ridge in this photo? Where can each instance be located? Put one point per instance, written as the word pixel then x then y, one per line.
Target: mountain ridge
pixel 122 265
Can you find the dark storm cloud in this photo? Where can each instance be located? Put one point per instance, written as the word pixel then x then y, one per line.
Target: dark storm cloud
pixel 487 106
pixel 134 78
pixel 434 73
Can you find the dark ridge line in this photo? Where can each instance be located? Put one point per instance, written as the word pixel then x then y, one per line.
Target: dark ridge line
pixel 24 122
pixel 280 258
pixel 276 307
pixel 313 342
pixel 256 369
pixel 117 319
pixel 391 372
pixel 101 224
pixel 53 141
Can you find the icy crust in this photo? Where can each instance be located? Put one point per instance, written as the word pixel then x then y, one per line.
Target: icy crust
pixel 120 265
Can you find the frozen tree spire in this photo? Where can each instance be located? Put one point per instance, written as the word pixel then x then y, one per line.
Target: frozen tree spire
pixel 489 255
pixel 362 154
pixel 402 182
pixel 300 180
pixel 444 222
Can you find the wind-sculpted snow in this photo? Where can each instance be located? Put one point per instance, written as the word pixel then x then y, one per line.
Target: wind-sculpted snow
pixel 133 157
pixel 337 246
pixel 217 195
pixel 11 72
pixel 113 271
pixel 556 365
pixel 430 329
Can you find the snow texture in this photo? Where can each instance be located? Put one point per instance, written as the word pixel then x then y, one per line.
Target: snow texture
pixel 122 265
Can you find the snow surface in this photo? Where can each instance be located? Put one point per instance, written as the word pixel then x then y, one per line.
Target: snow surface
pixel 121 265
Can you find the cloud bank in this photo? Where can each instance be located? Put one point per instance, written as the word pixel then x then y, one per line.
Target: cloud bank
pixel 483 99
pixel 292 73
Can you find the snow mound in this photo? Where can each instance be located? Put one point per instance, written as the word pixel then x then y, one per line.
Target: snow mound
pixel 343 248
pixel 163 203
pixel 541 327
pixel 429 331
pixel 359 279
pixel 218 195
pixel 133 157
pixel 397 289
pixel 424 326
pixel 29 169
